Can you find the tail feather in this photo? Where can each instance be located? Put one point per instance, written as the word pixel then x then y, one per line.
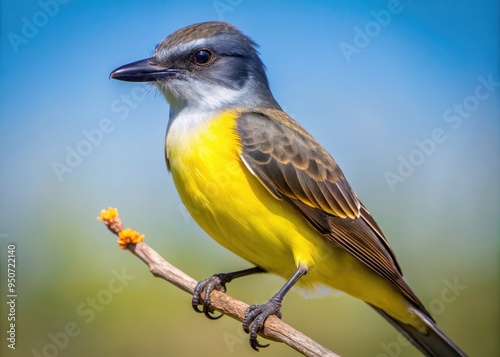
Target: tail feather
pixel 433 344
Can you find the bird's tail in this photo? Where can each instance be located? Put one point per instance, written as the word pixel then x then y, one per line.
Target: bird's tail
pixel 433 344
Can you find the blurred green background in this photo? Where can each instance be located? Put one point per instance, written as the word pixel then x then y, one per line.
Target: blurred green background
pixel 371 88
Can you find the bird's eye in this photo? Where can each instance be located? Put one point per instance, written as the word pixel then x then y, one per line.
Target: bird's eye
pixel 203 57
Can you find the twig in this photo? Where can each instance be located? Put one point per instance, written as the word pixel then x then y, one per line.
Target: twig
pixel 274 328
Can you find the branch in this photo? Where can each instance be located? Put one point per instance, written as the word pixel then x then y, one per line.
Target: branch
pixel 274 328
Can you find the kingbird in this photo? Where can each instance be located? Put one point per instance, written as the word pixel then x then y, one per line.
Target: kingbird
pixel 264 188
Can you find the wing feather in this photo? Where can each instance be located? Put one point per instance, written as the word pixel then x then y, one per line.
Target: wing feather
pixel 279 152
pixel 295 168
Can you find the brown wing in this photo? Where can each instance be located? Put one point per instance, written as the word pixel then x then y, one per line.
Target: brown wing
pixel 295 168
pixel 290 162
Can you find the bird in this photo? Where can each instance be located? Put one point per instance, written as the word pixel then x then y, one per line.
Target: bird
pixel 261 186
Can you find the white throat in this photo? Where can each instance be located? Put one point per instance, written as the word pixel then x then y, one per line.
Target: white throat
pixel 195 96
pixel 193 103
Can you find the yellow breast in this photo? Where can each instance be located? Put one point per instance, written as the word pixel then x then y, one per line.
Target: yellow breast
pixel 236 210
pixel 229 203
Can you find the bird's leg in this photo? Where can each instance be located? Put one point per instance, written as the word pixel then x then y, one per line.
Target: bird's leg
pixel 216 282
pixel 256 315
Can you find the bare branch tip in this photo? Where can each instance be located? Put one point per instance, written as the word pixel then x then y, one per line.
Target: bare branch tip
pixel 274 329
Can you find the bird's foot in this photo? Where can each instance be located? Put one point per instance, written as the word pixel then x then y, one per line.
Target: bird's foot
pixel 255 317
pixel 205 287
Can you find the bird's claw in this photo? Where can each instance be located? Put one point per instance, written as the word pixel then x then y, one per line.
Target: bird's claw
pixel 255 318
pixel 215 282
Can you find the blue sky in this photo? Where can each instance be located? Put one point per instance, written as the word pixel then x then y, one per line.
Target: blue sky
pixel 73 142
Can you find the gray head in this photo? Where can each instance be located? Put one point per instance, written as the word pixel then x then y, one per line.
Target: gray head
pixel 208 66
